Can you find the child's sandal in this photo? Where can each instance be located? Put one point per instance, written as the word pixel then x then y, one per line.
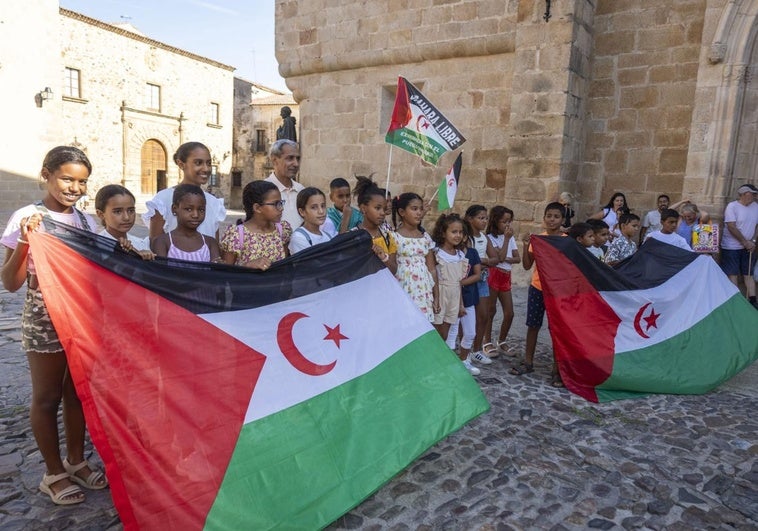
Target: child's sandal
pixel 490 350
pixel 70 495
pixel 505 350
pixel 522 369
pixel 95 480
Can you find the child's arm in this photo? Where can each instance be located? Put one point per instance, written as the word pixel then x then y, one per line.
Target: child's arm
pixel 259 263
pixel 527 260
pixel 474 277
pixel 502 252
pixel 127 246
pixel 461 307
pixel 229 257
pixel 392 263
pixel 160 245
pixel 347 213
pixel 14 266
pixel 432 267
pixel 389 259
pixel 491 253
pixel 214 249
pixel 156 226
pixel 515 258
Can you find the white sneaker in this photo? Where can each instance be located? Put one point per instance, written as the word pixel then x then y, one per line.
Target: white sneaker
pixel 481 357
pixel 473 370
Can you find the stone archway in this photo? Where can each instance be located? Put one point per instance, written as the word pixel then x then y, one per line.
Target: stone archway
pixel 723 148
pixel 153 164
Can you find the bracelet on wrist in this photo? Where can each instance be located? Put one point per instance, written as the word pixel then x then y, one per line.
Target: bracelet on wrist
pixel 21 240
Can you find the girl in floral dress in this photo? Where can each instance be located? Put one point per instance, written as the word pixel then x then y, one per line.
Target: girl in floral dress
pixel 262 238
pixel 416 268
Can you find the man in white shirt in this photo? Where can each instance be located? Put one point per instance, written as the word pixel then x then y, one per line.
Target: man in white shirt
pixel 285 157
pixel 652 220
pixel 739 238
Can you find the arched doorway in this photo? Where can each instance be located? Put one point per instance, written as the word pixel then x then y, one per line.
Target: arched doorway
pixel 153 166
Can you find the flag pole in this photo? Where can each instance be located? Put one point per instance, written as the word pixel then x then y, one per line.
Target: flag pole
pixel 433 196
pixel 389 168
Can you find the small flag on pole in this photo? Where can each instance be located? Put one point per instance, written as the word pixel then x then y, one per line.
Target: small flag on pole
pixel 418 127
pixel 449 186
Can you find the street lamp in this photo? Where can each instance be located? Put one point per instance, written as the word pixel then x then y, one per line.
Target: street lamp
pixel 44 95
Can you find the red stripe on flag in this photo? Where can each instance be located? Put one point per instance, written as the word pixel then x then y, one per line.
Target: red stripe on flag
pixel 164 392
pixel 582 325
pixel 401 112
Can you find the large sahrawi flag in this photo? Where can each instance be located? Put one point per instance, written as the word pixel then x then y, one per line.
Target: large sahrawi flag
pixel 225 398
pixel 418 127
pixel 664 321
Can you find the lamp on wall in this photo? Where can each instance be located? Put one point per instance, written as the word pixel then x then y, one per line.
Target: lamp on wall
pixel 43 96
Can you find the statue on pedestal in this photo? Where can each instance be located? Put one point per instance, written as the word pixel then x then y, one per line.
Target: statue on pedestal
pixel 287 130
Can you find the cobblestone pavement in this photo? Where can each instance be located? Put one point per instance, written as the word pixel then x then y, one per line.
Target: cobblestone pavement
pixel 542 458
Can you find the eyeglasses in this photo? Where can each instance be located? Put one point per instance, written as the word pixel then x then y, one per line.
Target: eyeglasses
pixel 278 204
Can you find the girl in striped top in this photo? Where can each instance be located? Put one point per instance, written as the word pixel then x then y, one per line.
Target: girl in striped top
pixel 185 242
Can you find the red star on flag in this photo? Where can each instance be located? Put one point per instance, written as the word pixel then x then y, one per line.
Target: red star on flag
pixel 334 334
pixel 652 319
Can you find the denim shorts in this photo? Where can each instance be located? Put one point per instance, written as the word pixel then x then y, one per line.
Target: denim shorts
pixel 736 261
pixel 482 286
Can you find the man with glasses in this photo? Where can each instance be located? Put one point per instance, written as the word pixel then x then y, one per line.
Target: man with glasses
pixel 285 157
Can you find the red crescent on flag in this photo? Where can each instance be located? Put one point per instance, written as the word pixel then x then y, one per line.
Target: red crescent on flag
pixel 422 123
pixel 637 318
pixel 291 352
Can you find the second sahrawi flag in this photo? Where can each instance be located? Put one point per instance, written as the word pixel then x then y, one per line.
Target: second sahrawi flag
pixel 224 398
pixel 418 127
pixel 664 321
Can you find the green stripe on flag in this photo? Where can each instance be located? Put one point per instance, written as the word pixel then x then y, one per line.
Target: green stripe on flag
pixel 320 458
pixel 443 203
pixel 417 143
pixel 697 360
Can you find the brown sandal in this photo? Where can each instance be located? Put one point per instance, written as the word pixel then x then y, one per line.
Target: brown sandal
pixel 520 370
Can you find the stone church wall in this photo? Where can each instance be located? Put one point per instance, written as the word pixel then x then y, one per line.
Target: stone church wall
pixel 604 96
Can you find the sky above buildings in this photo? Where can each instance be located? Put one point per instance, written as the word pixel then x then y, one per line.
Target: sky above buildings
pixel 239 33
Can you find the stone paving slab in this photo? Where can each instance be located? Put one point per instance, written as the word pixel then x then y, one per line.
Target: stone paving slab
pixel 542 458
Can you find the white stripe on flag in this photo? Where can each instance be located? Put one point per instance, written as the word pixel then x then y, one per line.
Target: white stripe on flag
pixel 374 313
pixel 665 311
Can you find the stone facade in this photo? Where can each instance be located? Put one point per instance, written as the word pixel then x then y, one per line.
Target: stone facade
pixel 114 115
pixel 30 126
pixel 256 119
pixel 603 96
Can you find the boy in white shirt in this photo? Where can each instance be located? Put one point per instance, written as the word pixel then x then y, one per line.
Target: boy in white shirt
pixel 667 234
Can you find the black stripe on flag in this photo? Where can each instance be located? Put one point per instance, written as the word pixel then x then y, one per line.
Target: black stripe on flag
pixel 652 265
pixel 208 288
